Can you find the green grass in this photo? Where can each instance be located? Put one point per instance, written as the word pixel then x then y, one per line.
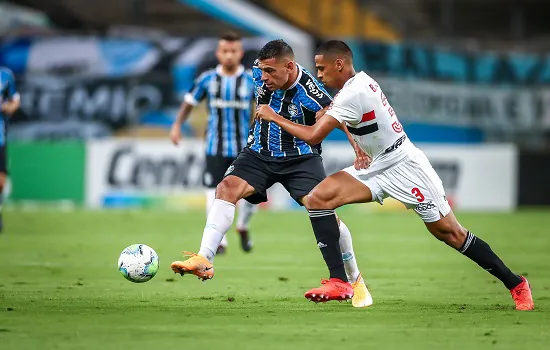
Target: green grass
pixel 60 288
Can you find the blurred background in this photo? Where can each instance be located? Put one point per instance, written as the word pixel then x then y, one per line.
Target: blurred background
pixel 101 82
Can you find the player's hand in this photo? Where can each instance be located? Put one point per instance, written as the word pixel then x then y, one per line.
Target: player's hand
pixel 175 134
pixel 362 160
pixel 264 112
pixel 320 114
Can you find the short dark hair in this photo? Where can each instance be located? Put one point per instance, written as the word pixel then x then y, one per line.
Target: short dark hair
pixel 231 36
pixel 335 47
pixel 276 49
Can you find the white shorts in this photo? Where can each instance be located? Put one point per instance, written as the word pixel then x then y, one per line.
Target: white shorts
pixel 412 181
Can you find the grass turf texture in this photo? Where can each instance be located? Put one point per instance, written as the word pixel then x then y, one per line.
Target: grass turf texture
pixel 60 288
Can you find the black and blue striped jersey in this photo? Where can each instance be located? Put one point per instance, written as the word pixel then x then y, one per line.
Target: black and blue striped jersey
pixel 299 103
pixel 229 101
pixel 7 93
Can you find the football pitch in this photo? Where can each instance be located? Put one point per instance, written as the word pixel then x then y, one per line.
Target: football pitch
pixel 60 288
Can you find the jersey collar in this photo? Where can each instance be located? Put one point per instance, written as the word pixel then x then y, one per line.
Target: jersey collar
pixel 239 71
pixel 297 78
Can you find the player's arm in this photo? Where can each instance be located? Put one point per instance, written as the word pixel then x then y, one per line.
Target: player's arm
pixel 313 134
pixel 9 107
pixel 13 99
pixel 191 99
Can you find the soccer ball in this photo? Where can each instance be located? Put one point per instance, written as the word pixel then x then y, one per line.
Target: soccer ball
pixel 138 263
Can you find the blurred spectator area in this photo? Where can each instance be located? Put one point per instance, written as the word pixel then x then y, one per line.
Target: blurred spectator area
pixel 169 16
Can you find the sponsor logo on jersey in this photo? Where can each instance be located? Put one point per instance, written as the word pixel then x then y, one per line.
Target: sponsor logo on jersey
pixel 313 89
pixel 397 127
pixel 220 103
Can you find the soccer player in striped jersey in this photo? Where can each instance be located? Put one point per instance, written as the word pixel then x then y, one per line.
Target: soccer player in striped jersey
pixel 274 156
pixel 9 102
pixel 229 93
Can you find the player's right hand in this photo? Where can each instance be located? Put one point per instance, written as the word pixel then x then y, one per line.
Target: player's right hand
pixel 175 134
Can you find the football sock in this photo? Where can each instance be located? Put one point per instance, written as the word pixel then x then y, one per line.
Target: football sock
pixel 325 227
pixel 346 248
pixel 480 252
pixel 210 197
pixel 218 223
pixel 246 210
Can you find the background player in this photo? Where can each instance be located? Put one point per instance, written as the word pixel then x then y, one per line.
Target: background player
pixel 228 89
pixel 273 155
pixel 398 168
pixel 10 102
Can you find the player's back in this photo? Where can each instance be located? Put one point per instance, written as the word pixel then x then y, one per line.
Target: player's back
pixel 373 124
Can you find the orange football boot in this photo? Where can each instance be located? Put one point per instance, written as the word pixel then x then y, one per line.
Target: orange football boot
pixel 331 289
pixel 197 265
pixel 522 295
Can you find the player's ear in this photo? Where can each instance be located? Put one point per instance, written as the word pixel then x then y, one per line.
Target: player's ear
pixel 290 66
pixel 339 64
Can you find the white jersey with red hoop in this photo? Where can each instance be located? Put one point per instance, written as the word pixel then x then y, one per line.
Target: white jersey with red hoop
pixel 371 121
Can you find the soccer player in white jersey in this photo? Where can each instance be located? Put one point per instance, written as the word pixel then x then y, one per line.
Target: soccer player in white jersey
pixel 398 169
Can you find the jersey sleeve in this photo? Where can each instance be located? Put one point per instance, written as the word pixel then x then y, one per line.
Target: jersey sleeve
pixel 198 90
pixel 10 92
pixel 346 107
pixel 313 95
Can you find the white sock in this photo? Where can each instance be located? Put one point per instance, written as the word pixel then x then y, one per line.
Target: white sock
pixel 246 210
pixel 346 247
pixel 210 197
pixel 220 219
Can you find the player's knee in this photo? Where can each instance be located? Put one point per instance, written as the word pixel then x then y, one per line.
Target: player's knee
pixel 317 199
pixel 228 190
pixel 452 235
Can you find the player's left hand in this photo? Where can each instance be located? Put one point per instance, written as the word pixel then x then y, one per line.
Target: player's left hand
pixel 362 160
pixel 264 112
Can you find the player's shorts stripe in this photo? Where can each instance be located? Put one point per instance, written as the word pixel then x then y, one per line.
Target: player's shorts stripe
pixel 364 130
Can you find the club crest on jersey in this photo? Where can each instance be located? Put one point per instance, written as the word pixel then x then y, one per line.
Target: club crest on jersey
pixel 292 110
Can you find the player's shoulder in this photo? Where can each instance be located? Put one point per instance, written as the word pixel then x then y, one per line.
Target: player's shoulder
pixel 5 72
pixel 207 74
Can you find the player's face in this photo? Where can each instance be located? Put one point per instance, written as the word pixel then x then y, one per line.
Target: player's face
pixel 229 53
pixel 276 72
pixel 327 70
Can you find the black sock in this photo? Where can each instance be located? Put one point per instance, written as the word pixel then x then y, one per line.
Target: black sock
pixel 327 233
pixel 480 252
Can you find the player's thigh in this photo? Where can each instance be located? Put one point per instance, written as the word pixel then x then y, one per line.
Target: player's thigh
pixel 415 183
pixel 300 175
pixel 250 175
pixel 338 189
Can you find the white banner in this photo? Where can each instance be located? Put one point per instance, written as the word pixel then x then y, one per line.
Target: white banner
pixel 490 108
pixel 127 173
pixel 142 173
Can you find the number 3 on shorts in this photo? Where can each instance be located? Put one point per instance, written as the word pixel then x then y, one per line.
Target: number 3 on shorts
pixel 416 192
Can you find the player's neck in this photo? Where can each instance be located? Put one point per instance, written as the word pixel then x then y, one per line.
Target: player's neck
pixel 346 77
pixel 229 70
pixel 292 79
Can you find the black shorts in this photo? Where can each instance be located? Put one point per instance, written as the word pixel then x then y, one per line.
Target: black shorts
pixel 214 169
pixel 3 159
pixel 299 175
